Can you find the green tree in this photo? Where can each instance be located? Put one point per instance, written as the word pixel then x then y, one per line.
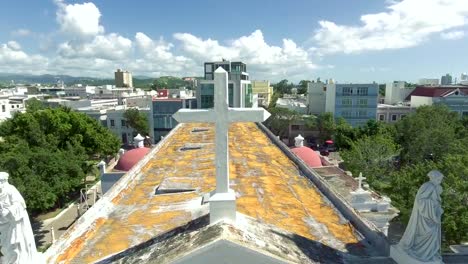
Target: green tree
pixel 326 126
pixel 303 86
pixel 34 104
pixel 283 87
pixel 373 156
pixel 47 153
pixel 137 120
pixel 433 131
pixel 280 120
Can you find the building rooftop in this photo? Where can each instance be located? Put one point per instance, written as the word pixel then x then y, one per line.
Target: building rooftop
pixel 165 191
pixel 436 91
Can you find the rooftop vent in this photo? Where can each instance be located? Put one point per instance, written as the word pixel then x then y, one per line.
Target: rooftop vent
pixel 187 147
pixel 200 129
pixel 175 185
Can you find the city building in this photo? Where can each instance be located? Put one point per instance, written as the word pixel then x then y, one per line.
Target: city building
pixel 264 91
pixel 396 92
pixel 428 82
pixel 293 103
pixel 163 109
pixel 4 108
pixel 446 79
pixel 240 88
pixel 454 97
pixel 80 91
pixel 123 78
pixel 316 97
pixel 356 103
pixel 392 113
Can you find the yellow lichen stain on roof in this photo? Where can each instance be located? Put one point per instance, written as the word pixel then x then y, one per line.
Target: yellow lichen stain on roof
pixel 268 183
pixel 75 247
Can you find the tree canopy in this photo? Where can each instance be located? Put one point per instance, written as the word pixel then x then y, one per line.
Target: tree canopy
pixel 137 120
pixel 396 159
pixel 48 152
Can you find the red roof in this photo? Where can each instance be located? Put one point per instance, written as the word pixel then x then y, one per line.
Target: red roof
pixel 438 91
pixel 309 156
pixel 130 158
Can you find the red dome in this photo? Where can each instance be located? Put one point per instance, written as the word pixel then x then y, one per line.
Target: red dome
pixel 130 158
pixel 309 156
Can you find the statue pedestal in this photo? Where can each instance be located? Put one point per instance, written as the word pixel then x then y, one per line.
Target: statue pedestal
pixel 223 207
pixel 401 257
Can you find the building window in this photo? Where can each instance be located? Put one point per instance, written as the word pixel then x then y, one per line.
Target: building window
pixel 123 122
pixel 465 114
pixel 346 114
pixel 362 102
pixel 394 117
pixel 3 108
pixel 207 101
pixel 112 122
pixel 402 116
pixel 208 68
pixel 362 113
pixel 347 91
pixel 362 91
pixel 381 117
pixel 346 102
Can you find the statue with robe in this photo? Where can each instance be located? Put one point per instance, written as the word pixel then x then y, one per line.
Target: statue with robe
pixel 422 238
pixel 16 235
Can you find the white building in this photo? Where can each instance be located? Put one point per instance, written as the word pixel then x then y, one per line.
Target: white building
pixel 4 108
pixel 297 104
pixel 316 97
pixel 428 82
pixel 392 113
pixel 396 92
pixel 80 91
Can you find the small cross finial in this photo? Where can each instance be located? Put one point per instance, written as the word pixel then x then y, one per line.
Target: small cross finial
pixel 360 178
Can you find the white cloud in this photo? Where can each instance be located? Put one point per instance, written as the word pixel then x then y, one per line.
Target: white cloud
pixel 158 59
pixel 21 32
pixel 452 35
pixel 79 20
pixel 264 59
pixel 407 23
pixel 110 47
pixel 13 45
pixel 13 59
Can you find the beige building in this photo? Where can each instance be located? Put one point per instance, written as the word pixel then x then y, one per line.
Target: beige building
pixel 264 91
pixel 123 78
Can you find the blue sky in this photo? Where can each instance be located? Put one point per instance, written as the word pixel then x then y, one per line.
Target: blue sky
pixel 348 40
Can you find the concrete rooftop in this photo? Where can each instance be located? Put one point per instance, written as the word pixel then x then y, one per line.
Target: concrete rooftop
pixel 269 187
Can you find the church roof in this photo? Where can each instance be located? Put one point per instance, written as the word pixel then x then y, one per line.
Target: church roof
pixel 309 156
pixel 130 158
pixel 269 186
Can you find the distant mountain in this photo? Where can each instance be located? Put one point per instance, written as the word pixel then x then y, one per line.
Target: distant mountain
pixel 170 82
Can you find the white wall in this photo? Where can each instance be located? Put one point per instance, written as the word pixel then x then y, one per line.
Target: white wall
pixel 330 98
pixel 316 97
pixel 417 101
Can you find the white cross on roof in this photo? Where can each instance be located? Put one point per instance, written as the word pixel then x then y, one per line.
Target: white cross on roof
pixel 222 115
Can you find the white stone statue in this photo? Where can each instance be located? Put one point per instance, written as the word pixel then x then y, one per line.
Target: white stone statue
pixel 422 238
pixel 16 235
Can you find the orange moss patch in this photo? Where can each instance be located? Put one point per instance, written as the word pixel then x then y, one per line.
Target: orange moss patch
pixel 77 244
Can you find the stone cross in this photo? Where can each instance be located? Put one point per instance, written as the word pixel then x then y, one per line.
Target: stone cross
pixel 360 178
pixel 222 203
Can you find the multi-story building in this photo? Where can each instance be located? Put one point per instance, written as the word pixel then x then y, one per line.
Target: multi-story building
pixel 123 78
pixel 80 91
pixel 4 108
pixel 446 79
pixel 454 97
pixel 163 109
pixel 316 97
pixel 356 103
pixel 396 92
pixel 392 113
pixel 264 92
pixel 240 89
pixel 428 82
pixel 294 103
